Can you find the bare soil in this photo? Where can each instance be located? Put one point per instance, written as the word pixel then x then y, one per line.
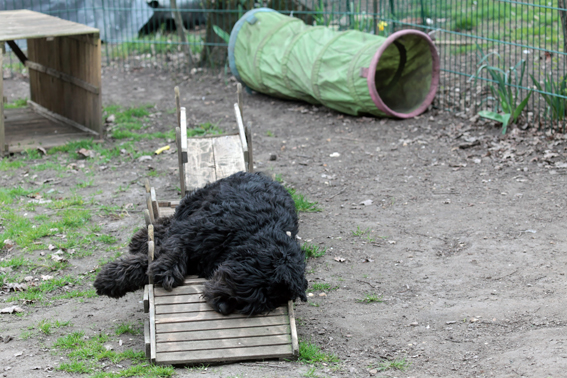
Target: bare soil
pixel 458 230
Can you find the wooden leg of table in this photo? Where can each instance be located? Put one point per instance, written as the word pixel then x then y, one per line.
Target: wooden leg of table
pixel 2 138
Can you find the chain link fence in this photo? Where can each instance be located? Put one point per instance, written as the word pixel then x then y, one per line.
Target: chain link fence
pixel 497 56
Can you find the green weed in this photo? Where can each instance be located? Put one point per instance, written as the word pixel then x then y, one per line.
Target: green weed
pixel 400 365
pixel 19 103
pixel 128 328
pixel 312 250
pixel 319 286
pixel 507 91
pixel 310 353
pixel 370 298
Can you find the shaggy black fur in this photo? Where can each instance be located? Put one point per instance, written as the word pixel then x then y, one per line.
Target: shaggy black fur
pixel 234 232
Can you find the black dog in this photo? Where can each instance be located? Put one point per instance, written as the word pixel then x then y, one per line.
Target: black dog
pixel 238 232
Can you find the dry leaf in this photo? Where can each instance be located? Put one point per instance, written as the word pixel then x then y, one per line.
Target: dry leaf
pixel 83 152
pixel 339 259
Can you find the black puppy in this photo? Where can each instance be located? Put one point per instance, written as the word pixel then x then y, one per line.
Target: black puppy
pixel 238 232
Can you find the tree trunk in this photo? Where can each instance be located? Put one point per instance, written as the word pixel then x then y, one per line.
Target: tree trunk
pixel 181 32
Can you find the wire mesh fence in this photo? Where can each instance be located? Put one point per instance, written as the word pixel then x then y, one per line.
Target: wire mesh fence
pixel 497 56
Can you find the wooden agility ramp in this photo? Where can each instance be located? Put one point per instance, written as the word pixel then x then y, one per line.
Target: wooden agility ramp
pixel 182 328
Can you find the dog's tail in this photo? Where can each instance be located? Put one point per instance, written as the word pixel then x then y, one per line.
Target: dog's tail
pixel 122 276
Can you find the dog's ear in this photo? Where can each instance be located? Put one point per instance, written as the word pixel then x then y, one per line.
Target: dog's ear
pixel 286 276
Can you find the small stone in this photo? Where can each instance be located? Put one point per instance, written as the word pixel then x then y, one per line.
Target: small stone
pixel 273 157
pixel 414 324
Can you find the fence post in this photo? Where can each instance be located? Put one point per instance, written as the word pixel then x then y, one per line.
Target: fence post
pixel 563 4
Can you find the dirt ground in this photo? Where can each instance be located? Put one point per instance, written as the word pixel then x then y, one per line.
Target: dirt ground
pixel 457 229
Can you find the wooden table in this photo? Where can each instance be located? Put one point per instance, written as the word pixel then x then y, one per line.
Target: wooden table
pixel 64 63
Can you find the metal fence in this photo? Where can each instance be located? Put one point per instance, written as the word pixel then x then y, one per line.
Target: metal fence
pixel 494 53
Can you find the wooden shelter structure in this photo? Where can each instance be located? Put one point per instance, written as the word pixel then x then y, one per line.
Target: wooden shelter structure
pixel 64 63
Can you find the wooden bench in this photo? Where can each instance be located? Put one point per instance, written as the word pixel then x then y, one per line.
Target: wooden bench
pixel 182 328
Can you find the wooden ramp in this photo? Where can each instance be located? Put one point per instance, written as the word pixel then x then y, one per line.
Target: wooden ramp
pixel 183 329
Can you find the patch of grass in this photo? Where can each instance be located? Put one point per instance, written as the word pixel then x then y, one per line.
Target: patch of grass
pixel 128 328
pixel 18 104
pixel 269 134
pixel 312 250
pixel 400 365
pixel 81 184
pixel 158 43
pixel 319 286
pixel 301 203
pixel 91 293
pixel 32 154
pixel 85 353
pixel 310 353
pixel 45 326
pixel 8 196
pixel 37 293
pixel 359 231
pixel 371 298
pixel 7 164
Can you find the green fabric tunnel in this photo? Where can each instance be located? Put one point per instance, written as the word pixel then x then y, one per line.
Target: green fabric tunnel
pixel 352 72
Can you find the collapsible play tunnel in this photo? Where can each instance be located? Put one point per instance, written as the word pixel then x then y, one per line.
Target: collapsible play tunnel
pixel 352 72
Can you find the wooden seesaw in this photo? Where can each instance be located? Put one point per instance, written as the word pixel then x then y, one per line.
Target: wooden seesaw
pixel 182 328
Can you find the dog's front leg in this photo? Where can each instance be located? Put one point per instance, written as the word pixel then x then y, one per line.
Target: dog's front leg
pixel 170 268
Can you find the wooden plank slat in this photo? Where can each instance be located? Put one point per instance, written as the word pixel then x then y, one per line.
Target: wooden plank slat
pixel 240 123
pixel 180 162
pixel 214 345
pixel 166 211
pixel 225 355
pixel 228 155
pixel 150 207
pixel 189 307
pixel 152 325
pixel 180 290
pixel 189 280
pixel 257 321
pixel 59 118
pixel 155 207
pixel 202 316
pixel 146 299
pixel 24 24
pixel 183 127
pixel 63 76
pixel 293 330
pixel 250 149
pixel 200 167
pixel 2 131
pixel 147 339
pixel 223 333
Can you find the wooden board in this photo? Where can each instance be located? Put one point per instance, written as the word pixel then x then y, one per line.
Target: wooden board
pixel 186 330
pixel 23 129
pixel 229 156
pixel 2 132
pixel 62 96
pixel 24 24
pixel 209 159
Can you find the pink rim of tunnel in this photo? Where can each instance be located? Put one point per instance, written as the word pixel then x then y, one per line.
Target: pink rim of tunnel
pixel 434 75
